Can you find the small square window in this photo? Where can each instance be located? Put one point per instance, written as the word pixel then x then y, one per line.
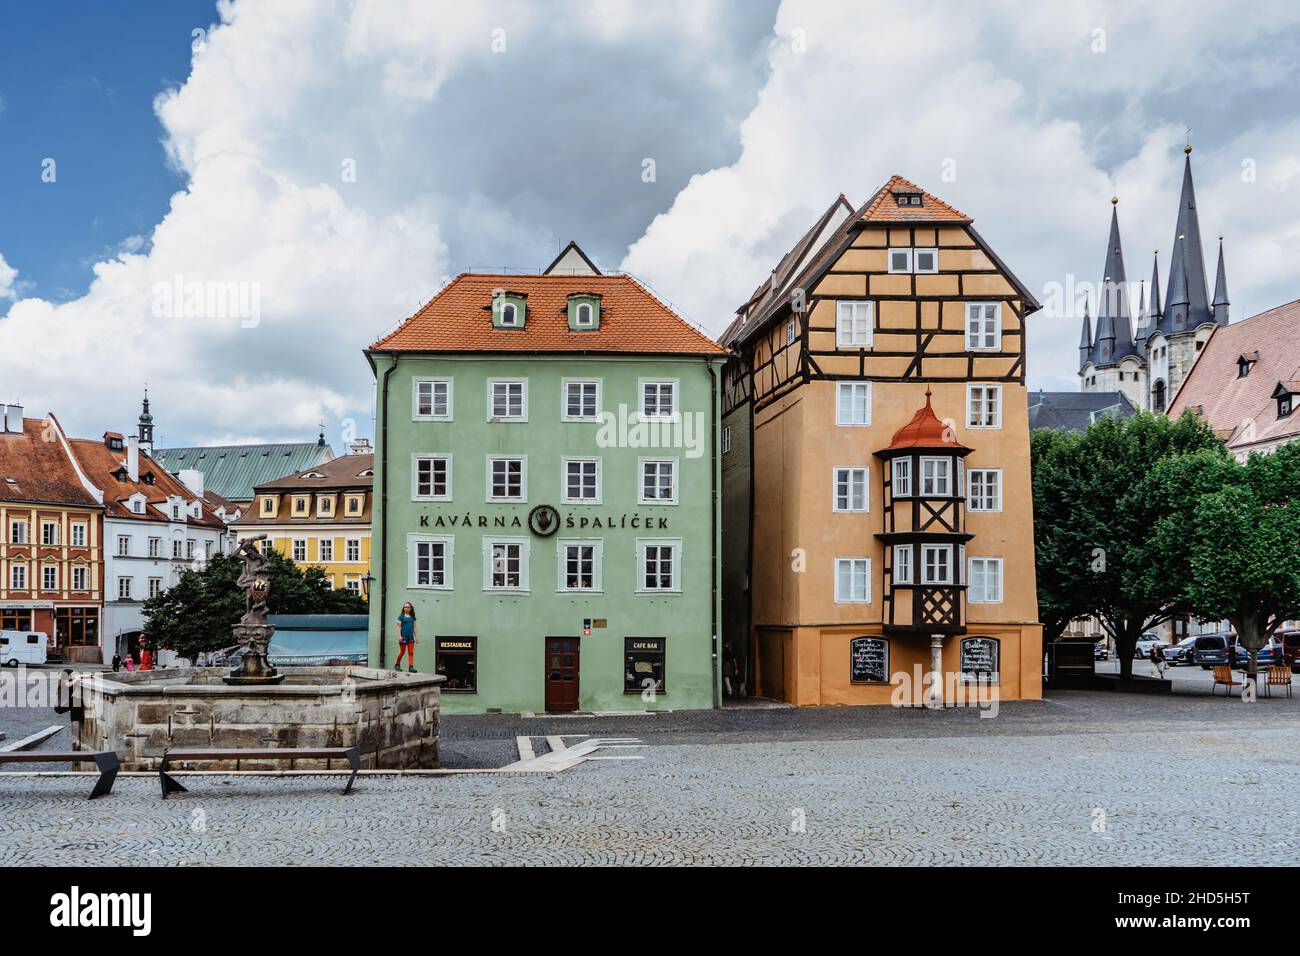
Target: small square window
pixel 984 326
pixel 900 260
pixel 658 482
pixel 506 479
pixel 925 260
pixel 581 481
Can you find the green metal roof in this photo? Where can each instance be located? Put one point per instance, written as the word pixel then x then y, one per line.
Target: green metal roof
pixel 232 471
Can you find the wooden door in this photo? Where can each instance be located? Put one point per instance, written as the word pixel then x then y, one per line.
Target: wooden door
pixel 561 674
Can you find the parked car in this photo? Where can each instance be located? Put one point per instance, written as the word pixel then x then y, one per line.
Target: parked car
pixel 1291 648
pixel 1099 652
pixel 1270 653
pixel 22 647
pixel 1144 645
pixel 1211 650
pixel 1180 653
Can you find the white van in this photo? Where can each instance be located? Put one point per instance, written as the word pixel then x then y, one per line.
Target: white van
pixel 22 647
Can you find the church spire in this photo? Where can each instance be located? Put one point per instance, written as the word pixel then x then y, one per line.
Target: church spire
pixel 1150 316
pixel 1187 304
pixel 1220 291
pixel 145 424
pixel 1085 338
pixel 1113 313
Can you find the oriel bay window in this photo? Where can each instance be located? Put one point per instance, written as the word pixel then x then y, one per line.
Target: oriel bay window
pixel 901 477
pixel 643 664
pixel 902 564
pixel 937 564
pixel 430 561
pixel 456 659
pixel 935 477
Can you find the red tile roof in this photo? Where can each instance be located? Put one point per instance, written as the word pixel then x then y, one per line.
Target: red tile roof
pixel 101 465
pixel 925 430
pixel 1244 409
pixel 35 467
pixel 459 319
pixel 884 207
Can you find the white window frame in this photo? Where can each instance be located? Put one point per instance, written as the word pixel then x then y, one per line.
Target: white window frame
pixel 564 480
pixel 53 537
pixel 946 475
pixel 676 545
pixel 791 331
pixel 413 541
pixel 504 301
pixel 674 384
pixel 847 310
pixel 488 544
pixel 916 266
pixel 418 457
pixel 841 388
pixel 970 395
pixel 950 571
pixel 902 564
pixel 853 562
pixel 564 399
pixel 675 464
pixel 578 322
pixel 972 595
pixel 431 416
pixel 323 545
pixel 16 539
pixel 80 578
pixel 50 577
pixel 972 499
pixel 123 546
pixel 293 549
pixel 889 261
pixel 902 481
pixel 976 333
pixel 349 546
pixel 835 488
pixel 726 439
pixel 597 560
pixel 124 587
pixel 18 577
pixel 78 534
pixel 523 399
pixel 523 477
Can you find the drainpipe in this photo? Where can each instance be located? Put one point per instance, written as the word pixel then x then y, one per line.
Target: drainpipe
pixel 383 516
pixel 714 547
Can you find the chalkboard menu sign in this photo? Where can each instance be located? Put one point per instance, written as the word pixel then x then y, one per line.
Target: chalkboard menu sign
pixel 869 660
pixel 980 658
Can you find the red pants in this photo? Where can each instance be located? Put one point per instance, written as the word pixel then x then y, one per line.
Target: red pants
pixel 409 651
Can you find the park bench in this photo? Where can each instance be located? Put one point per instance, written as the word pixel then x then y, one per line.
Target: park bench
pixel 1279 675
pixel 105 762
pixel 1223 678
pixel 170 786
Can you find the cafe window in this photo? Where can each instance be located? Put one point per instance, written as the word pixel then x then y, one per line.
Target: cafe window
pixel 643 664
pixel 15 620
pixel 77 626
pixel 457 660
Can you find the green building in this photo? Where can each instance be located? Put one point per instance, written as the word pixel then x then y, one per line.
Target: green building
pixel 546 494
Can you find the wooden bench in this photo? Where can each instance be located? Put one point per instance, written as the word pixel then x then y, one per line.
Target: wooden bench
pixel 1279 675
pixel 1223 678
pixel 170 786
pixel 105 762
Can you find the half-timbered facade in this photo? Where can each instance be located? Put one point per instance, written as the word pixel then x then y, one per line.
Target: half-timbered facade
pixel 885 525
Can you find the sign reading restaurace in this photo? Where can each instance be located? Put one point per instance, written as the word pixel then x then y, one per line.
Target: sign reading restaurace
pixel 569 521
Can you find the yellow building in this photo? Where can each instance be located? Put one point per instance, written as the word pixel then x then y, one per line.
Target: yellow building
pixel 318 517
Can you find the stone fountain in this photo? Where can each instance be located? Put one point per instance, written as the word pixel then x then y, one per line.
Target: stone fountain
pixel 252 632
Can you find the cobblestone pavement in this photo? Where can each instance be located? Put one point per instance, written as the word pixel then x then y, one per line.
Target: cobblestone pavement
pixel 1079 779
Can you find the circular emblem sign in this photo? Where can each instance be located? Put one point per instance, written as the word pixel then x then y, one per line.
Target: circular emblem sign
pixel 543 521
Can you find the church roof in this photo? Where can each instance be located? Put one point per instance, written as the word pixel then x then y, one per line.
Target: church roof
pixel 1075 411
pixel 232 471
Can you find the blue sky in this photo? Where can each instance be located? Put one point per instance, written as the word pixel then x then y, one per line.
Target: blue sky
pixel 78 80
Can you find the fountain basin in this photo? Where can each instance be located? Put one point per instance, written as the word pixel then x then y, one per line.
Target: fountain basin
pixel 391 717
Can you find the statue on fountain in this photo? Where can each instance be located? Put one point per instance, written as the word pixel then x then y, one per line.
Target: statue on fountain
pixel 252 631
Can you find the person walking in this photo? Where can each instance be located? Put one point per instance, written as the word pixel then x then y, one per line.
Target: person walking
pixel 1158 659
pixel 406 637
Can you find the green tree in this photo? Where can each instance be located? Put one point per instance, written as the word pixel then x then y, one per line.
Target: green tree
pixel 196 615
pixel 1237 539
pixel 1098 551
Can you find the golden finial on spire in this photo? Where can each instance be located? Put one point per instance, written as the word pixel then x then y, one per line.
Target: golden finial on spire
pixel 1114 200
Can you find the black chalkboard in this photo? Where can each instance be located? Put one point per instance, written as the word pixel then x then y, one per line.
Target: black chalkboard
pixel 869 660
pixel 980 655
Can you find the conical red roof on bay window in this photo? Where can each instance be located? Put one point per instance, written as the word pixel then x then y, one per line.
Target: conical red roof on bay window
pixel 925 430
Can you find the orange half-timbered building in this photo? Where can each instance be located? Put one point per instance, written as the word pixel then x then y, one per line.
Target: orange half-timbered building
pixel 876 510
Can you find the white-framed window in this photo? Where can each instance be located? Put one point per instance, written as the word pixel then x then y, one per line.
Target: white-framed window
pixel 579 565
pixel 984 326
pixel 325 548
pixel 299 549
pixel 189 549
pixel 352 583
pixel 936 477
pixel 925 260
pixel 431 477
pixel 584 317
pixel 178 548
pixel 507 478
pixel 325 506
pixel 984 406
pixel 936 564
pixel 508 400
pixel 900 260
pixel 581 400
pixel 659 564
pixel 18 532
pixel 791 332
pixel 155 587
pixel 80 576
pixel 850 490
pixel 50 578
pixel 123 546
pixel 984 489
pixel 352 550
pixel 155 547
pixel 505 564
pixel 49 532
pixel 659 398
pixel 985 581
pixel 18 577
pixel 853 403
pixel 268 506
pixel 902 564
pixel 580 481
pixel 900 470
pixel 432 400
pixel 726 439
pixel 430 561
pixel 137 505
pixel 658 485
pixel 124 589
pixel 852 580
pixel 854 324
pixel 508 314
pixel 78 535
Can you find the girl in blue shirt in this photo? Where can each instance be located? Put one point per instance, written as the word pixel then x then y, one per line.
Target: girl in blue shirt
pixel 406 637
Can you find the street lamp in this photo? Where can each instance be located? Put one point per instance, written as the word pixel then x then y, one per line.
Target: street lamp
pixel 365 585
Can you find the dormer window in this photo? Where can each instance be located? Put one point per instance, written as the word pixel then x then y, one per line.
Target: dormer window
pixel 908 198
pixel 1244 363
pixel 508 310
pixel 1284 406
pixel 1285 398
pixel 268 507
pixel 584 312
